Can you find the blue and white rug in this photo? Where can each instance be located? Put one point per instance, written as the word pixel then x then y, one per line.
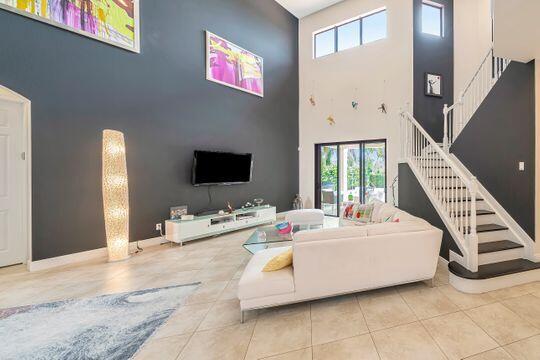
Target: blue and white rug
pixel 111 327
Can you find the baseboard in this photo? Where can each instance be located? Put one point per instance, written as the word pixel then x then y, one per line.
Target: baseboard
pixel 79 257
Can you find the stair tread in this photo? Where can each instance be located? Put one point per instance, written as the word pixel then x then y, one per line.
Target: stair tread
pixel 450 187
pixel 464 199
pixel 501 245
pixel 488 228
pixel 489 271
pixel 478 212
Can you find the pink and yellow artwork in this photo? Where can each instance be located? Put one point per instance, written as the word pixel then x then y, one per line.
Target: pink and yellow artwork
pixel 113 21
pixel 230 65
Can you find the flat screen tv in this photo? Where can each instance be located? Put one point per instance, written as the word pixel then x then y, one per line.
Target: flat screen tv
pixel 221 168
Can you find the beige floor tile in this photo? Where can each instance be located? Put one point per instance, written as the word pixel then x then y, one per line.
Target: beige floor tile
pixel 528 307
pixel 304 354
pixel 406 342
pixel 428 302
pixel 335 305
pixel 527 349
pixel 163 349
pixel 228 343
pixel 358 347
pixel 185 320
pixel 208 292
pixel 217 274
pixel 385 309
pixel 279 334
pixel 510 292
pixel 225 313
pixel 501 324
pixel 336 326
pixel 466 301
pixel 230 292
pixel 495 354
pixel 458 336
pixel 285 310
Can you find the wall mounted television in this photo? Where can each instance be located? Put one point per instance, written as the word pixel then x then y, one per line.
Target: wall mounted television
pixel 221 168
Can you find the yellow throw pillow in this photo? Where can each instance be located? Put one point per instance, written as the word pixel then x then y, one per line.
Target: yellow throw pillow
pixel 279 261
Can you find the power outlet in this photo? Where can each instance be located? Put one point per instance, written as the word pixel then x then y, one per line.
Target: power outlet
pixel 158 227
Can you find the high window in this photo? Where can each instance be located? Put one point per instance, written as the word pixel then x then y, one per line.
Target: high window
pixel 362 30
pixel 432 18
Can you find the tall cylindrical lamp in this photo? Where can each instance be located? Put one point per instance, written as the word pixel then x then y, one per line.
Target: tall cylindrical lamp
pixel 115 195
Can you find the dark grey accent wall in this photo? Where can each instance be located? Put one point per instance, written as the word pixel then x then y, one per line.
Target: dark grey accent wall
pixel 498 137
pixel 433 54
pixel 162 102
pixel 414 200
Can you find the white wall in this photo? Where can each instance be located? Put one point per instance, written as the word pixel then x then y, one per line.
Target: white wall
pixel 370 74
pixel 472 39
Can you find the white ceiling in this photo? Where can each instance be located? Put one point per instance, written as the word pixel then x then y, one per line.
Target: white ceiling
pixel 302 8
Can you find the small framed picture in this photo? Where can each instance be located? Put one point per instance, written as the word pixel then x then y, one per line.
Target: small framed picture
pixel 434 85
pixel 178 211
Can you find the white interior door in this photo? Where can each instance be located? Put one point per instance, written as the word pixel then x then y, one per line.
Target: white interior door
pixel 13 244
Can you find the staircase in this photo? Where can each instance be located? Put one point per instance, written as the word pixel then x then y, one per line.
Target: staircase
pixel 494 252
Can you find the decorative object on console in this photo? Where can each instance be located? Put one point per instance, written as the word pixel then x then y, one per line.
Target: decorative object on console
pixel 298 203
pixel 433 85
pixel 247 205
pixel 258 201
pixel 230 65
pixel 113 22
pixel 115 195
pixel 178 211
pixel 229 208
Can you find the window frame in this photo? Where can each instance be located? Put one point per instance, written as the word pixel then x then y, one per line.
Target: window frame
pixel 439 7
pixel 347 22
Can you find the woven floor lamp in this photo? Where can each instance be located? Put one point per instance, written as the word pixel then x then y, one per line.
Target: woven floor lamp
pixel 115 195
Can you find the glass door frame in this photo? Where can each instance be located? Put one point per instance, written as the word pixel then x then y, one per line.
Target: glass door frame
pixel 361 144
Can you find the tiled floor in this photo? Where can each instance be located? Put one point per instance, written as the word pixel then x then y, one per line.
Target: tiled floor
pixel 406 322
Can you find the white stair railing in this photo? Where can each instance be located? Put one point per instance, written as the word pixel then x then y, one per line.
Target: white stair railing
pixel 459 114
pixel 451 192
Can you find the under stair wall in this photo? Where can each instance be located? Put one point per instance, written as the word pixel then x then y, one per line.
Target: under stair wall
pixel 414 200
pixel 500 135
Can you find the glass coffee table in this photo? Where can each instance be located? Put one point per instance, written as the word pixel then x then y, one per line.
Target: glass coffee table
pixel 267 237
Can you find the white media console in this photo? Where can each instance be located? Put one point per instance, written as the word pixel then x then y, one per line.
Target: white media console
pixel 180 231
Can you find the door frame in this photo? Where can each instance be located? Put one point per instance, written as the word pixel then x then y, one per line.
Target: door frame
pixel 11 96
pixel 318 184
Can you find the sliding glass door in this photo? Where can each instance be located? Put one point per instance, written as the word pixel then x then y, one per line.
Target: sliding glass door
pixel 349 172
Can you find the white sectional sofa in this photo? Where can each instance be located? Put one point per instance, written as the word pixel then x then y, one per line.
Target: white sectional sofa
pixel 348 259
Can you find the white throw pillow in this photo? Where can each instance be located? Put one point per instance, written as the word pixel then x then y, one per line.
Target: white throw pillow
pixel 386 213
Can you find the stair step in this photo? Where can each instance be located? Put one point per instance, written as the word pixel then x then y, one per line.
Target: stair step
pixel 443 176
pixel 436 167
pixel 489 271
pixel 501 245
pixel 465 199
pixel 487 228
pixel 478 212
pixel 450 187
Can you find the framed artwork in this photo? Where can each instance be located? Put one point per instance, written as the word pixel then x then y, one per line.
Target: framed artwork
pixel 178 211
pixel 230 65
pixel 115 22
pixel 433 85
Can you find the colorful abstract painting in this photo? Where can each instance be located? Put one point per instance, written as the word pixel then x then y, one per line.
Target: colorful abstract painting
pixel 230 65
pixel 113 21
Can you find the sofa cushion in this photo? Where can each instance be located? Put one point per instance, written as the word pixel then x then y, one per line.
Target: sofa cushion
pixel 386 213
pixel 397 227
pixel 255 283
pixel 331 233
pixel 279 261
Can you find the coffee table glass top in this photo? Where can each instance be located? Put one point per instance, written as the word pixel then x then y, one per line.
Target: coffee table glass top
pixel 268 236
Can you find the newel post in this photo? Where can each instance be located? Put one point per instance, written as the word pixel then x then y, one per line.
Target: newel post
pixel 445 136
pixel 473 236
